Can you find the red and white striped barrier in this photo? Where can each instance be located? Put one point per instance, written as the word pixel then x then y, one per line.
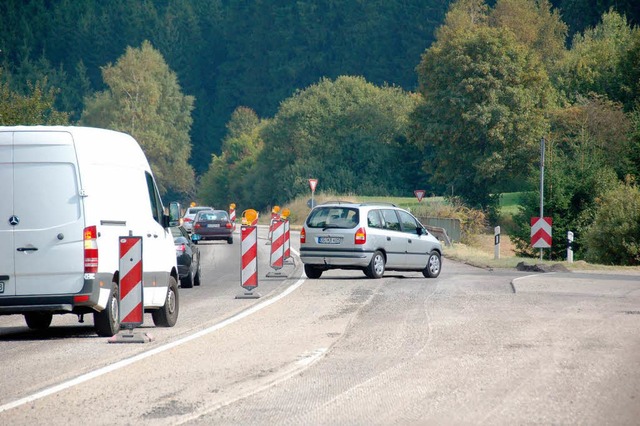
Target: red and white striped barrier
pixel 131 309
pixel 287 240
pixel 249 262
pixel 276 260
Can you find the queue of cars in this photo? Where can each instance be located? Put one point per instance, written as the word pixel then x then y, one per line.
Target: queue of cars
pixel 371 237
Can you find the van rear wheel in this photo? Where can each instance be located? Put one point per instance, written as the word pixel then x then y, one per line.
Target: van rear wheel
pixel 38 320
pixel 107 322
pixel 167 316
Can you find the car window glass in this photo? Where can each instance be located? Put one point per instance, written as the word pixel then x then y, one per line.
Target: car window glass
pixel 374 220
pixel 335 217
pixel 390 220
pixel 156 204
pixel 408 222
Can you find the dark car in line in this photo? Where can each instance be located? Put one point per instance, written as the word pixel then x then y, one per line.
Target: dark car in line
pixel 188 256
pixel 212 225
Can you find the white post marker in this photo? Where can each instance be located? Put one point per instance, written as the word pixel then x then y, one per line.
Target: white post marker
pixel 570 247
pixel 496 242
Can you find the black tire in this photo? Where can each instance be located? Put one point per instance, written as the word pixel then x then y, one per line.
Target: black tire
pixel 376 267
pixel 38 320
pixel 434 265
pixel 187 281
pixel 312 272
pixel 195 241
pixel 167 316
pixel 107 322
pixel 196 279
pixel 230 240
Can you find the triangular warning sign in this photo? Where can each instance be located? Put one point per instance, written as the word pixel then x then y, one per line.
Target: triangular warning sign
pixel 419 193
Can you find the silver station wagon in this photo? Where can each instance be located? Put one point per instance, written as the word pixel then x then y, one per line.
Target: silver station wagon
pixel 371 237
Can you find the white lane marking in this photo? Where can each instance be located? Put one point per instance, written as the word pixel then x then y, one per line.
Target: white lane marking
pixel 125 362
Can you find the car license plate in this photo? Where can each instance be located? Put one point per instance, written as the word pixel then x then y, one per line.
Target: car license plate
pixel 213 225
pixel 329 240
pixel 1 286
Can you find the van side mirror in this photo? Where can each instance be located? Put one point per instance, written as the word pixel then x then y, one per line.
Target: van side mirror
pixel 174 213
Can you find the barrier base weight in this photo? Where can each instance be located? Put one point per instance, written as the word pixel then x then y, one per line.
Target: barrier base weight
pixel 248 295
pixel 129 336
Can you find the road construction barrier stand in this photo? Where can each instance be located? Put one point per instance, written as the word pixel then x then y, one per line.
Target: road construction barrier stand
pixel 287 241
pixel 131 308
pixel 249 256
pixel 275 217
pixel 130 295
pixel 232 214
pixel 276 260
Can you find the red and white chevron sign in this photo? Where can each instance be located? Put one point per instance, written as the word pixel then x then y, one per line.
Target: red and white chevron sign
pixel 131 311
pixel 541 232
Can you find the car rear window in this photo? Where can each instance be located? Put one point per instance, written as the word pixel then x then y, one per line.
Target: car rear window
pixel 333 217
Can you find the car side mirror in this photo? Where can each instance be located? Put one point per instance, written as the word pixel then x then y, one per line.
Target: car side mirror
pixel 174 213
pixel 420 230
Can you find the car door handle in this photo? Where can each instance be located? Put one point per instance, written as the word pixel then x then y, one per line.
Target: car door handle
pixel 410 241
pixel 27 249
pixel 388 238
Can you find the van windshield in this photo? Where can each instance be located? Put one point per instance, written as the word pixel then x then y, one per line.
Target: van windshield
pixel 333 217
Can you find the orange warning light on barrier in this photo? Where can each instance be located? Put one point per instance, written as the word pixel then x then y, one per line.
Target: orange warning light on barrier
pixel 285 213
pixel 250 217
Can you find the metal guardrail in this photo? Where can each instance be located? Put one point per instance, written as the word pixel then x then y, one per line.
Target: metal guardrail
pixel 439 233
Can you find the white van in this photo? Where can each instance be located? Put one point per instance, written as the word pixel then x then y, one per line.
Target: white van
pixel 66 196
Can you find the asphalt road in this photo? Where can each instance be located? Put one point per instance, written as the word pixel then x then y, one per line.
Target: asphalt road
pixel 470 347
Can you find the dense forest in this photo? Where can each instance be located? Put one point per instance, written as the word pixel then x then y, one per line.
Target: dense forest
pixel 250 98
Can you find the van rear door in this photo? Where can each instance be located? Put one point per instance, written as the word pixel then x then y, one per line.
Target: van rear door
pixel 7 245
pixel 48 235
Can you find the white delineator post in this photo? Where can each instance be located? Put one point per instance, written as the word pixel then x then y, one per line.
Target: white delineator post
pixel 496 242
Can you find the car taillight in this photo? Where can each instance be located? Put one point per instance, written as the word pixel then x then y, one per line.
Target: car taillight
pixel 180 248
pixel 228 225
pixel 197 225
pixel 90 250
pixel 360 237
pixel 303 236
pixel 187 219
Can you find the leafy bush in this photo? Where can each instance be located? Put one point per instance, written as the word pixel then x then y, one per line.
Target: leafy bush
pixel 614 237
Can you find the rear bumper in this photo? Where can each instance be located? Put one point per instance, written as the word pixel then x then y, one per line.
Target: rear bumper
pixel 335 258
pixel 58 303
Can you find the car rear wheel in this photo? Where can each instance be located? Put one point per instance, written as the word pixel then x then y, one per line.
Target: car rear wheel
pixel 38 320
pixel 196 279
pixel 312 271
pixel 187 281
pixel 376 266
pixel 167 316
pixel 107 322
pixel 434 264
pixel 230 240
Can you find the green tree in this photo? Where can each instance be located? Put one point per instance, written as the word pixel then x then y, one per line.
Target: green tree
pixel 485 98
pixel 34 108
pixel 347 133
pixel 228 179
pixel 596 61
pixel 614 236
pixel 585 159
pixel 144 99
